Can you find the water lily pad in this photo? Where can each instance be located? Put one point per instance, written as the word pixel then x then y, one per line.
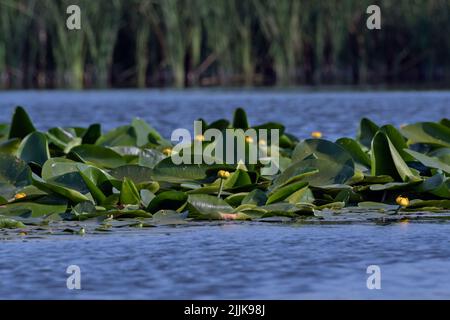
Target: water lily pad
pixel 129 194
pixel 34 148
pixel 355 150
pixel 167 200
pixel 21 124
pixel 14 175
pixel 367 131
pixel 387 161
pixel 431 162
pixel 99 156
pixel 427 132
pixel 206 207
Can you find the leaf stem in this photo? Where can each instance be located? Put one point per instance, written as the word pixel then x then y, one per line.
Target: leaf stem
pixel 220 188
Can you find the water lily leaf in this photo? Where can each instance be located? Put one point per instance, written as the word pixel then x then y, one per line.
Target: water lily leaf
pixel 304 195
pixel 437 185
pixel 355 150
pixel 146 197
pixel 168 200
pixel 129 194
pixel 10 146
pixel 120 136
pixel 167 171
pixel 377 206
pixel 322 149
pixel 21 124
pixel 150 157
pixel 387 161
pixel 85 207
pixel 92 134
pixel 393 185
pixel 238 178
pixel 397 140
pixel 235 200
pixel 256 197
pixel 44 206
pixel 206 207
pixel 34 148
pixel 138 174
pixel 7 223
pixel 329 172
pixel 14 175
pixel 377 179
pixel 220 124
pixel 53 188
pixel 445 122
pixel 129 213
pixel 427 132
pixel 144 132
pixel 169 217
pixel 64 139
pixel 96 192
pixel 443 154
pixel 429 161
pixel 367 131
pixel 284 192
pixel 99 156
pixel 295 172
pixel 331 206
pixel 58 166
pixel 417 203
pixel 240 119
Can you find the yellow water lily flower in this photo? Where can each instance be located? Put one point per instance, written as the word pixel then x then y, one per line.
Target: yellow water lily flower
pixel 402 201
pixel 316 134
pixel 167 151
pixel 223 174
pixel 20 195
pixel 200 137
pixel 248 139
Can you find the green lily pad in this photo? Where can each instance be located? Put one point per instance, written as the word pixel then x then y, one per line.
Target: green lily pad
pixel 167 200
pixel 99 156
pixel 34 148
pixel 21 124
pixel 206 207
pixel 14 175
pixel 431 162
pixel 387 161
pixel 427 132
pixel 367 131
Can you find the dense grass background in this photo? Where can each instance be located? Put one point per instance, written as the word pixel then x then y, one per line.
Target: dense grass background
pixel 148 43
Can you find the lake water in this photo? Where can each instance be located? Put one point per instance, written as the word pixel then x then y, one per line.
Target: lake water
pixel 232 260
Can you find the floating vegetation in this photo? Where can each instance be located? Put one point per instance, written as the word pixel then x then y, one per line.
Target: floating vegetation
pixel 126 177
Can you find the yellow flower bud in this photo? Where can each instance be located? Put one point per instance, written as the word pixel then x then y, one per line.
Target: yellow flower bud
pixel 316 134
pixel 262 142
pixel 223 174
pixel 200 137
pixel 20 195
pixel 248 139
pixel 402 201
pixel 167 151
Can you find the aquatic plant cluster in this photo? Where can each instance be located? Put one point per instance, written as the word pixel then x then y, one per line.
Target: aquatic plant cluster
pixel 75 174
pixel 152 43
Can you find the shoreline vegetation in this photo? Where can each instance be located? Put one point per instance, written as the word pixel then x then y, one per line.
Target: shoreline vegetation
pixel 68 175
pixel 191 43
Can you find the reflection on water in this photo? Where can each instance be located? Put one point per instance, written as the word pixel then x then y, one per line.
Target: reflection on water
pixel 239 261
